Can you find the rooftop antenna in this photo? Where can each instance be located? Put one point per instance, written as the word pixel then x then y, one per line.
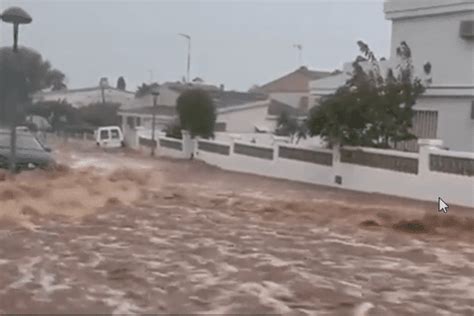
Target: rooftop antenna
pixel 151 75
pixel 299 47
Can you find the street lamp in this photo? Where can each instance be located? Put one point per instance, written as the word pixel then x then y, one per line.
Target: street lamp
pixel 186 36
pixel 155 93
pixel 103 83
pixel 15 16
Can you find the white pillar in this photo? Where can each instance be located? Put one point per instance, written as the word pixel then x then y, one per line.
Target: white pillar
pixel 188 144
pixel 336 166
pixel 426 145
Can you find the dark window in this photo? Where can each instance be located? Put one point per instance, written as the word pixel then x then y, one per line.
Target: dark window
pixel 131 122
pixel 220 127
pixel 115 134
pixel 472 110
pixel 104 134
pixel 139 121
pixel 466 29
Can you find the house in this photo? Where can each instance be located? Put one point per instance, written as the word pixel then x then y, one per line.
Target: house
pixel 292 88
pixel 237 112
pixel 446 109
pixel 85 96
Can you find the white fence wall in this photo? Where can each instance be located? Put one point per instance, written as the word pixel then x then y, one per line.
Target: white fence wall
pixel 422 175
pixel 417 181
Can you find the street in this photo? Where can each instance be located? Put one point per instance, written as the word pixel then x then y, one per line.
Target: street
pixel 183 237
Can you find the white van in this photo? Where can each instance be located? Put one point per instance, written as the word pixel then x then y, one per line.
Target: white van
pixel 109 137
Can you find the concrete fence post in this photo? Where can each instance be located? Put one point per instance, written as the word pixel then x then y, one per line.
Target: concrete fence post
pixel 188 144
pixel 276 150
pixel 336 166
pixel 426 145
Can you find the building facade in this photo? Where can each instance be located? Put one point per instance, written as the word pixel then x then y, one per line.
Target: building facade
pixel 439 32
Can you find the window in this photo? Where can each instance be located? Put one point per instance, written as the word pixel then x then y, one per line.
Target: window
pixel 425 125
pixel 472 110
pixel 466 29
pixel 115 134
pixel 138 121
pixel 131 121
pixel 303 104
pixel 104 134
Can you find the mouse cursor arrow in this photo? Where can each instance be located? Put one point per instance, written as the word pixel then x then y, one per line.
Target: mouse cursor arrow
pixel 442 206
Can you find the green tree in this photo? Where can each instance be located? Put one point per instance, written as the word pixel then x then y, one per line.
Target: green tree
pixel 197 113
pixel 145 89
pixel 58 113
pixel 173 130
pixel 371 109
pixel 290 126
pixel 100 114
pixel 21 75
pixel 121 85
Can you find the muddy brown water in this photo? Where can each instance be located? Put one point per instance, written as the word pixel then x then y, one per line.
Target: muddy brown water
pixel 202 240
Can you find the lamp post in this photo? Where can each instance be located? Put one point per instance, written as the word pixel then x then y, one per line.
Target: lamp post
pixel 103 83
pixel 15 16
pixel 155 93
pixel 188 67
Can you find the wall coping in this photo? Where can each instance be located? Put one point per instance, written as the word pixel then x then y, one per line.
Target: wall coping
pixel 388 152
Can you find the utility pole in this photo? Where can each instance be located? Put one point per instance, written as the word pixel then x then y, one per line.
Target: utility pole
pixel 188 67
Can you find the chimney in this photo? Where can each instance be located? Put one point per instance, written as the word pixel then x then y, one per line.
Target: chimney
pixel 222 87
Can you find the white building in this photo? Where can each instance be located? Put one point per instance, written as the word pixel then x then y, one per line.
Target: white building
pixel 237 112
pixel 292 88
pixel 85 96
pixel 440 32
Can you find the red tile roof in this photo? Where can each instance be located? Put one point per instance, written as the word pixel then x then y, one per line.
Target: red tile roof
pixel 296 81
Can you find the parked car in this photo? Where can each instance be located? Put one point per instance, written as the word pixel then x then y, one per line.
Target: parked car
pixel 109 137
pixel 30 152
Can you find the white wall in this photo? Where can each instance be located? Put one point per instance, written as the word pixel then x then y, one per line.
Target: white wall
pixel 84 98
pixel 168 96
pixel 426 185
pixel 455 126
pixel 244 121
pixel 436 39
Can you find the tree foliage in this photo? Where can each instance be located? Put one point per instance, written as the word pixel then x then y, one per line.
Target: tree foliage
pixel 58 113
pixel 62 115
pixel 372 109
pixel 145 89
pixel 22 74
pixel 290 126
pixel 197 113
pixel 121 85
pixel 173 130
pixel 100 114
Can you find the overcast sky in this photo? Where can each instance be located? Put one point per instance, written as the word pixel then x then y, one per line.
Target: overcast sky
pixel 238 43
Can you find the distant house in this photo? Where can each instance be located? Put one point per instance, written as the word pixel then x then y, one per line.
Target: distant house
pixel 85 96
pixel 293 88
pixel 446 109
pixel 237 112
